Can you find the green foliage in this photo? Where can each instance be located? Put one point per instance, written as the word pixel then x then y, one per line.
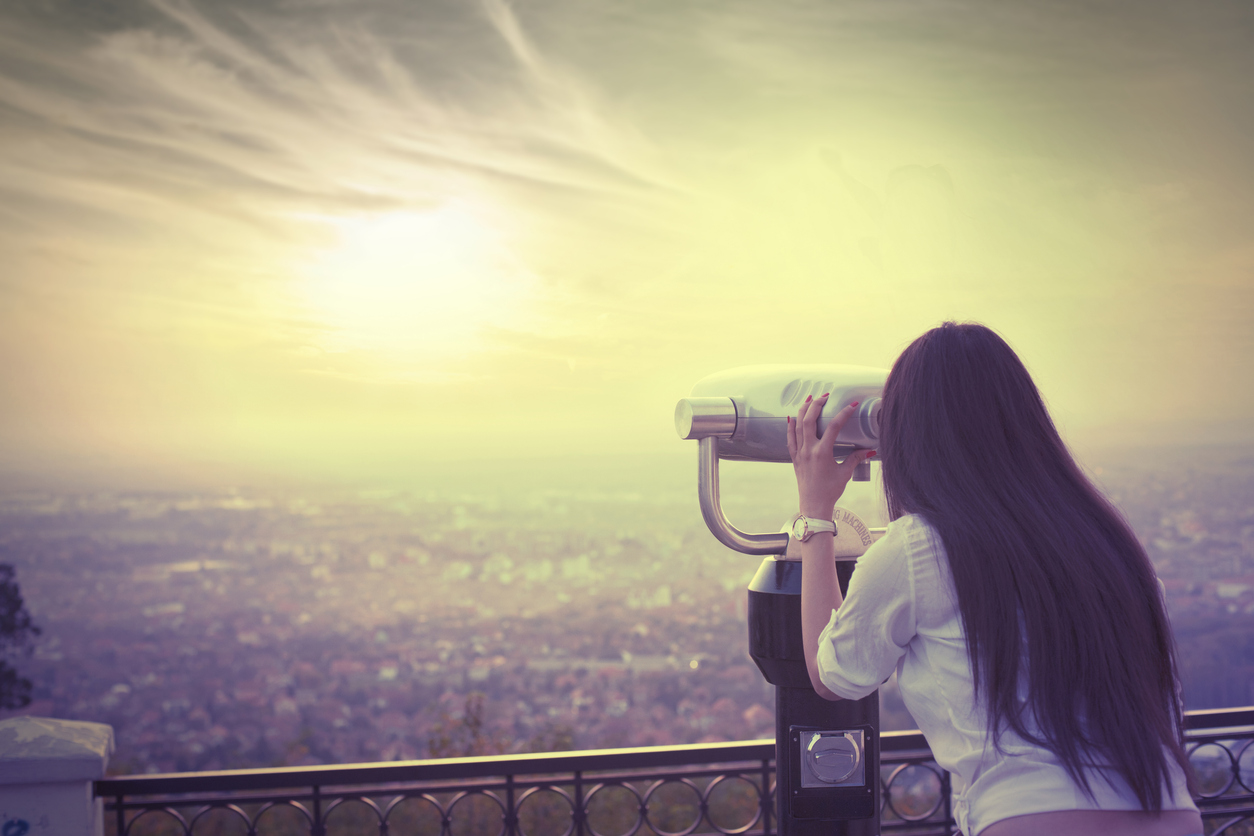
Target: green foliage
pixel 17 635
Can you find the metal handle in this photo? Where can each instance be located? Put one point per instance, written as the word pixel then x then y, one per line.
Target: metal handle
pixel 712 510
pixel 853 538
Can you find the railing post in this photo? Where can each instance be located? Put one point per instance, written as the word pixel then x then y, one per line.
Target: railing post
pixel 947 793
pixel 766 798
pixel 581 814
pixel 319 828
pixel 511 814
pixel 46 772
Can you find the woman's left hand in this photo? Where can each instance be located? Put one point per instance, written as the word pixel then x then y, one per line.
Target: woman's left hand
pixel 820 479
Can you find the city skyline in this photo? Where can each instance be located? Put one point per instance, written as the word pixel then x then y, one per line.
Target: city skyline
pixel 259 627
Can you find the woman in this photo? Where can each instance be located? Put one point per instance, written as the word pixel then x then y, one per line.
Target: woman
pixel 1023 618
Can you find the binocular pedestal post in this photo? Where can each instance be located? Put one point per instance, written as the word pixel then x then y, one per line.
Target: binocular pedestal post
pixel 827 773
pixel 826 752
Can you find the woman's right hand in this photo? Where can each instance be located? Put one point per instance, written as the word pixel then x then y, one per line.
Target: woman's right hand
pixel 820 478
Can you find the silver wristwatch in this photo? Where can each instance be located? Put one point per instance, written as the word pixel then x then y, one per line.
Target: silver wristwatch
pixel 805 527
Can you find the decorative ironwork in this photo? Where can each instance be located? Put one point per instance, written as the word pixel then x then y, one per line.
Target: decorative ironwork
pixel 1220 746
pixel 724 788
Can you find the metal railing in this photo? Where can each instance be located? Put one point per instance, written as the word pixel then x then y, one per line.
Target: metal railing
pixel 667 790
pixel 1220 744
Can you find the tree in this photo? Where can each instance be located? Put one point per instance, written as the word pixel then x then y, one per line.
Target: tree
pixel 17 638
pixel 554 737
pixel 465 735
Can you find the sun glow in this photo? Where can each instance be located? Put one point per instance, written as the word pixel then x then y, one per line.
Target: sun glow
pixel 415 286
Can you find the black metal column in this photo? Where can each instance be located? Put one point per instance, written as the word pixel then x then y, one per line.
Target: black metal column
pixel 775 644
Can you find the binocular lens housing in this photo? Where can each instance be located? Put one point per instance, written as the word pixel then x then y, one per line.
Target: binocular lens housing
pixel 705 417
pixel 749 408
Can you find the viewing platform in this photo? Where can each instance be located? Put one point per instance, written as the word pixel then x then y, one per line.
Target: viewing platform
pixel 705 788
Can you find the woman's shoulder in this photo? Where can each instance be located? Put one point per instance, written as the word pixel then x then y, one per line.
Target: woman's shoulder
pixel 922 554
pixel 906 539
pixel 915 530
pixel 916 541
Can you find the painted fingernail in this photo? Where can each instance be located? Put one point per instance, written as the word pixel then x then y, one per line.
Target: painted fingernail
pixel 855 403
pixel 825 394
pixel 870 454
pixel 807 398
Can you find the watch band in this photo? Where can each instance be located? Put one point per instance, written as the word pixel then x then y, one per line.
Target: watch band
pixel 803 528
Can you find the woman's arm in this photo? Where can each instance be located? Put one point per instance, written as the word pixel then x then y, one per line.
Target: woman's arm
pixel 820 482
pixel 820 594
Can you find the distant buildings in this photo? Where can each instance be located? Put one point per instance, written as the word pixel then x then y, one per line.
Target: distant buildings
pixel 230 631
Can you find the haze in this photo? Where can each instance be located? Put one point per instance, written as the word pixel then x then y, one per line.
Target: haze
pixel 353 240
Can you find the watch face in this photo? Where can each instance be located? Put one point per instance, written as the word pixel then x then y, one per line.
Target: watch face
pixel 799 528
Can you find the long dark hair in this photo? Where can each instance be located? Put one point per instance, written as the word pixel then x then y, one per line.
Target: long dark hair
pixel 1053 586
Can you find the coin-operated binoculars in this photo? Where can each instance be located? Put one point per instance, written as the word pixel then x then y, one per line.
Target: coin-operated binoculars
pixel 826 752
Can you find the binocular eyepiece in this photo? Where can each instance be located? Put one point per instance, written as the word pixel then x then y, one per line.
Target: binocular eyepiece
pixel 748 408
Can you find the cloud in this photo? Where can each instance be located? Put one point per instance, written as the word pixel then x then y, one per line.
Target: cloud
pixel 283 111
pixel 664 189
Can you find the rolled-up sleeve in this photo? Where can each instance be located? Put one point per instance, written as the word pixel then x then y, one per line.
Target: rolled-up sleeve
pixel 869 633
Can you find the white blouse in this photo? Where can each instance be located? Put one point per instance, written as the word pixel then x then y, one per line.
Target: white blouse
pixel 902 612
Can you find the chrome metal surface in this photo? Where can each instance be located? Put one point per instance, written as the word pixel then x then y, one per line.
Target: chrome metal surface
pixel 704 417
pixel 764 397
pixel 868 418
pixel 833 756
pixel 712 510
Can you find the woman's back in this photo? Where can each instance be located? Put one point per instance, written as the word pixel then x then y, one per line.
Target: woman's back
pixel 902 611
pixel 1068 638
pixel 1045 623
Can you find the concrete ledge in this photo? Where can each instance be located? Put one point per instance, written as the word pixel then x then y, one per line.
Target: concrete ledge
pixel 41 750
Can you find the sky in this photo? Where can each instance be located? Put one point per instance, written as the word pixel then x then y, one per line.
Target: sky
pixel 350 240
